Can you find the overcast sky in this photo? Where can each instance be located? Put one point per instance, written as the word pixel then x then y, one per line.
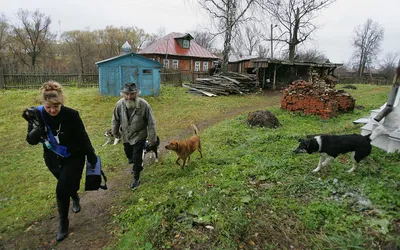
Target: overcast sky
pixel 333 38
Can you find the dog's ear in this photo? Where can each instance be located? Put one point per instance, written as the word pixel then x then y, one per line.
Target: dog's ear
pixel 301 140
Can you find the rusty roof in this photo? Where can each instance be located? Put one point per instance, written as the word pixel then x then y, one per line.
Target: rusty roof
pixel 169 45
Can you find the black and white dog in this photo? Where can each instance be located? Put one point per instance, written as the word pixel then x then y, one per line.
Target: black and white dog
pixel 110 138
pixel 151 149
pixel 330 146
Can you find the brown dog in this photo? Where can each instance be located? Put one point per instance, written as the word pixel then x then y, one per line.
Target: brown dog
pixel 186 147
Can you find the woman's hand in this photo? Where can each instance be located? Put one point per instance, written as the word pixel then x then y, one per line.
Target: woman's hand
pixel 92 159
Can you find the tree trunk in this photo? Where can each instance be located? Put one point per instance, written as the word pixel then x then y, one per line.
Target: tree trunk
pixel 294 40
pixel 227 49
pixel 363 62
pixel 81 59
pixel 228 35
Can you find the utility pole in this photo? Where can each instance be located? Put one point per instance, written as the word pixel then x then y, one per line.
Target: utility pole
pixel 272 42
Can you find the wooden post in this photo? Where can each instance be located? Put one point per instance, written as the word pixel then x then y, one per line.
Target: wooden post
pixel 273 84
pixel 2 81
pixel 263 82
pixel 80 79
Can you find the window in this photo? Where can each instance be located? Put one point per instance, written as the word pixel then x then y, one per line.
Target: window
pixel 215 63
pixel 166 63
pixel 175 64
pixel 147 71
pixel 186 44
pixel 197 66
pixel 205 66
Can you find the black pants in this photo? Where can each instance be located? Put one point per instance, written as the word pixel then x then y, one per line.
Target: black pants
pixel 68 172
pixel 134 153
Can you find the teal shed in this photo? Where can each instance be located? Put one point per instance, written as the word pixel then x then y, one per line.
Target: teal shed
pixel 129 67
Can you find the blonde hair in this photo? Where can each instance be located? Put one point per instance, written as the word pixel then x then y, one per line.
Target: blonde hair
pixel 51 92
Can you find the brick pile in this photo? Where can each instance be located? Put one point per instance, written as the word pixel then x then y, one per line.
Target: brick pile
pixel 326 102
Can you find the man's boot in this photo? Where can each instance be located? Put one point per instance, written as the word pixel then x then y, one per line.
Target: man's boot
pixel 63 207
pixel 76 207
pixel 135 183
pixel 136 180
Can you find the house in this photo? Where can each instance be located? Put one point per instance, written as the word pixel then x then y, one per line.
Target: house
pixel 129 67
pixel 240 63
pixel 273 72
pixel 179 52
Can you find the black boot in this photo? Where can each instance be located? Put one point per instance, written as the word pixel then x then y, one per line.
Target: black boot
pixel 136 180
pixel 135 183
pixel 63 207
pixel 76 207
pixel 62 229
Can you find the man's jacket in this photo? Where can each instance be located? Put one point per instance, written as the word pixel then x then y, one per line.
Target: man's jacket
pixel 141 124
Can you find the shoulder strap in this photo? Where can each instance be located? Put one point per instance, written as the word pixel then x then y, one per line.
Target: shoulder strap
pixel 55 146
pixel 40 108
pixel 105 181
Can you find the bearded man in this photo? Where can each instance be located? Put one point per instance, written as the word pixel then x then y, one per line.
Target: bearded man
pixel 133 121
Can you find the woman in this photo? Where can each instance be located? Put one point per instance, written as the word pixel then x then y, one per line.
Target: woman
pixel 65 144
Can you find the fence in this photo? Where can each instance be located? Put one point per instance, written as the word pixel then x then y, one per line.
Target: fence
pixel 29 81
pixel 364 80
pixel 34 81
pixel 176 78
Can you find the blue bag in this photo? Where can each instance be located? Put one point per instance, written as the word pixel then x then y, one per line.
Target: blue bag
pixel 93 176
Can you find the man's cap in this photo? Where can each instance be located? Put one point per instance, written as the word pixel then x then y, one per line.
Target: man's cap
pixel 130 87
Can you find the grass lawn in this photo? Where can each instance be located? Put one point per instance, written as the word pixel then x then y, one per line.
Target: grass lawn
pixel 27 187
pixel 249 191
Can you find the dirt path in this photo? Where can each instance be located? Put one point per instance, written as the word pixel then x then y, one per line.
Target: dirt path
pixel 93 227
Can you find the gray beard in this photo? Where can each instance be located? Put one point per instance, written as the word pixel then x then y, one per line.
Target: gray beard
pixel 130 104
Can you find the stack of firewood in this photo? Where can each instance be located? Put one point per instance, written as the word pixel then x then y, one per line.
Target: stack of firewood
pixel 326 102
pixel 224 84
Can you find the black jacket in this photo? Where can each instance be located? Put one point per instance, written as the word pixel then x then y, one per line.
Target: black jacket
pixel 72 133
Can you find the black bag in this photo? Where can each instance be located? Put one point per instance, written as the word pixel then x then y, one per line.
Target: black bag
pixel 93 177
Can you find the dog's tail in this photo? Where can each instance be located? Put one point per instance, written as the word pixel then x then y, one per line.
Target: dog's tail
pixel 196 131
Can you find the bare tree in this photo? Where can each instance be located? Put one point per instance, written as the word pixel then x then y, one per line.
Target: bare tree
pixel 388 64
pixel 80 50
pixel 311 55
pixel 4 37
pixel 110 41
pixel 227 14
pixel 203 38
pixel 154 37
pixel 295 19
pixel 32 36
pixel 142 37
pixel 367 39
pixel 262 51
pixel 248 39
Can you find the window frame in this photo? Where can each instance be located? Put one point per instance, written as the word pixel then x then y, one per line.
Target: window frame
pixel 166 63
pixel 175 64
pixel 197 65
pixel 185 44
pixel 205 66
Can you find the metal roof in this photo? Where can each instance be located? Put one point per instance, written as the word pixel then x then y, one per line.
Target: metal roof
pixel 315 64
pixel 157 64
pixel 170 46
pixel 239 58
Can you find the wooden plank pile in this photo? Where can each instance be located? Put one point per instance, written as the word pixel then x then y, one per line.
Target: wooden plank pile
pixel 228 83
pixel 306 98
